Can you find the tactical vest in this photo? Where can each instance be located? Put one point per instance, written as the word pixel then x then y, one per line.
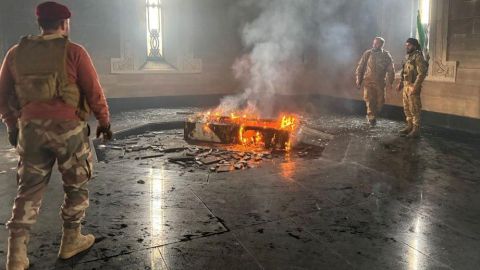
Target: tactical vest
pixel 410 67
pixel 41 67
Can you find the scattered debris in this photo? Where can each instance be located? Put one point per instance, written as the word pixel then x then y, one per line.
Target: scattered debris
pixel 149 156
pixel 183 158
pixel 294 235
pixel 210 160
pixel 239 166
pixel 315 132
pixel 224 168
pixel 170 147
pixel 113 147
pixel 181 163
pixel 174 149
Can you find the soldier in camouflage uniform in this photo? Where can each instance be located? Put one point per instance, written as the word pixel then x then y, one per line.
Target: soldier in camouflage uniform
pixel 413 74
pixel 375 70
pixel 48 86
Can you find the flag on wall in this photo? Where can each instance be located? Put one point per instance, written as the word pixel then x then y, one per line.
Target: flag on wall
pixel 421 32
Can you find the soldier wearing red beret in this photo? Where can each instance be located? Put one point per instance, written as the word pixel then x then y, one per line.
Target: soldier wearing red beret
pixel 52 11
pixel 48 89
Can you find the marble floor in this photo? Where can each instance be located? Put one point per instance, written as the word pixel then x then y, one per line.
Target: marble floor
pixel 373 200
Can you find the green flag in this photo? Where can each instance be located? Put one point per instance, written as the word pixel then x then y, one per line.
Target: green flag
pixel 421 31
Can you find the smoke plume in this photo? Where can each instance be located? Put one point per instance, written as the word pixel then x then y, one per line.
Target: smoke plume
pixel 277 44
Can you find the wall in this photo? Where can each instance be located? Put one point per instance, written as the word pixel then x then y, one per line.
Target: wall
pixel 207 32
pixel 201 29
pixel 464 34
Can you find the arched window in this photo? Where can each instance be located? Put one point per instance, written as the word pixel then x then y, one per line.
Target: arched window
pixel 147 42
pixel 154 29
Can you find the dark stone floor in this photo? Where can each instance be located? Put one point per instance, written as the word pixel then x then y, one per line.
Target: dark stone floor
pixel 372 201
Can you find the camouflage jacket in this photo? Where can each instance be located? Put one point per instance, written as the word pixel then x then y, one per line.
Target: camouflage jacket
pixel 375 66
pixel 414 69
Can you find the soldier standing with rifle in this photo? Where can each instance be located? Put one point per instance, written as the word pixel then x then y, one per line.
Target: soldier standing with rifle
pixel 48 87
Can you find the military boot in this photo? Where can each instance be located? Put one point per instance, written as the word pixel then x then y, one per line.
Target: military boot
pixel 407 129
pixel 17 253
pixel 73 242
pixel 371 121
pixel 415 133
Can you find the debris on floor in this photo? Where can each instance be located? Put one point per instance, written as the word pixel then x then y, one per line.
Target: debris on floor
pixel 169 147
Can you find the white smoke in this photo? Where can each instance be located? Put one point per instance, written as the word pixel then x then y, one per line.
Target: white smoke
pixel 276 41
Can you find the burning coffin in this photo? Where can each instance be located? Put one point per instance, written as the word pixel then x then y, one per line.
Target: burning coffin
pixel 244 130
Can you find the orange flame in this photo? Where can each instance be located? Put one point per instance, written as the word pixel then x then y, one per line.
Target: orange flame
pixel 254 137
pixel 288 122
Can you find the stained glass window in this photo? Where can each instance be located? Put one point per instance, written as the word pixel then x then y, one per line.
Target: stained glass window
pixel 154 29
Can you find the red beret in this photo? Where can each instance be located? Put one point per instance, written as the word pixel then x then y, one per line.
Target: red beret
pixel 52 11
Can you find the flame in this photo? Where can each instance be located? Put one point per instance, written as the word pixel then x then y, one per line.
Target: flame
pixel 288 122
pixel 252 127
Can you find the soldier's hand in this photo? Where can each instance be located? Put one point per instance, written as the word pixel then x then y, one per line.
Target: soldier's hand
pixel 13 137
pixel 105 131
pixel 415 91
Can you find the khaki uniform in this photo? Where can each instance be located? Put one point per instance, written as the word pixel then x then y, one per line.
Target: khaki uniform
pixel 412 76
pixel 374 69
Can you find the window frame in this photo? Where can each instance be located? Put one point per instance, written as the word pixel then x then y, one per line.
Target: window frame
pixel 161 54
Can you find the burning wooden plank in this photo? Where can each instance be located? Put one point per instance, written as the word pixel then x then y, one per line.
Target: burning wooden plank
pixel 267 133
pixel 210 132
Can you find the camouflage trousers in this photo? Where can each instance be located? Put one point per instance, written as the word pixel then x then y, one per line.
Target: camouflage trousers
pixel 40 144
pixel 374 96
pixel 412 105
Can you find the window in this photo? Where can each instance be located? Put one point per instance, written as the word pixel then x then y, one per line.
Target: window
pixel 153 50
pixel 154 29
pixel 425 12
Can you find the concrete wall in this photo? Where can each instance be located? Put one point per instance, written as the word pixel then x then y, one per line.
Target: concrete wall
pixel 207 31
